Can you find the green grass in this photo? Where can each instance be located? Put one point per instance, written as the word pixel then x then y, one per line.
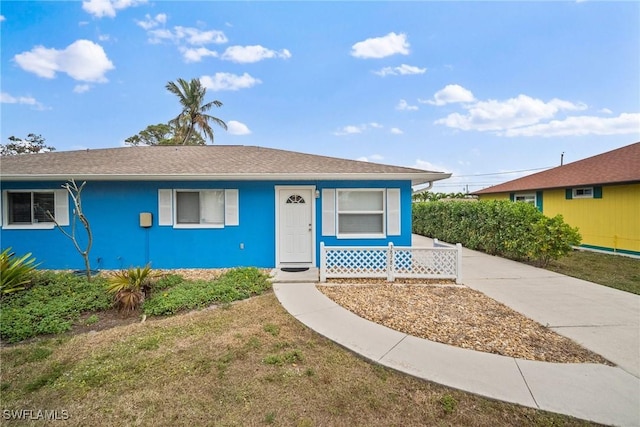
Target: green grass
pixel 229 367
pixel 614 271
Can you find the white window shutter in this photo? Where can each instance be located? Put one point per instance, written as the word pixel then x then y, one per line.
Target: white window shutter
pixel 61 200
pixel 165 207
pixel 3 203
pixel 393 212
pixel 328 212
pixel 231 207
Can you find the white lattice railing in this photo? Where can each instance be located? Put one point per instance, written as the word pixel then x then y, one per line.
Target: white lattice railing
pixel 391 262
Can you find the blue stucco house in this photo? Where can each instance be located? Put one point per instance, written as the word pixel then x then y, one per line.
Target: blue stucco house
pixel 203 206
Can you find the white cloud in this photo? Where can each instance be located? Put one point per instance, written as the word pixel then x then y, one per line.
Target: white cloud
pixel 196 54
pixel 372 158
pixel 249 54
pixel 396 131
pixel 355 129
pixel 228 81
pixel 6 98
pixel 527 116
pixel 450 94
pixel 190 41
pixel 428 166
pixel 381 47
pixel 81 88
pixel 187 35
pixel 2 18
pixel 82 60
pixel 350 130
pixel 150 22
pixel 404 106
pixel 158 36
pixel 237 128
pixel 402 70
pixel 626 123
pixel 100 8
pixel 198 37
pixel 493 115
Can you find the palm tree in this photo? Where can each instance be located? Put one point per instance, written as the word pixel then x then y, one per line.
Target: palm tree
pixel 194 110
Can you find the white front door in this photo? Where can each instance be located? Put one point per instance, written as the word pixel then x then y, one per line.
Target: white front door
pixel 295 225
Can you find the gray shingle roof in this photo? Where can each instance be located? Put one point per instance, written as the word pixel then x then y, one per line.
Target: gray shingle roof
pixel 212 162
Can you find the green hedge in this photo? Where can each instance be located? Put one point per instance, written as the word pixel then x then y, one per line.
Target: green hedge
pixel 512 230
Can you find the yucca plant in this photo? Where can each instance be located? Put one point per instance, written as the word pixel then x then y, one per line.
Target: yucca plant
pixel 15 273
pixel 130 287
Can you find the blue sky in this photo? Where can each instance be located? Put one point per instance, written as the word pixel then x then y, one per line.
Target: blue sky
pixel 472 88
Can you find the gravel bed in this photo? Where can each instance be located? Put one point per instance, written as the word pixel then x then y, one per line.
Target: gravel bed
pixel 459 316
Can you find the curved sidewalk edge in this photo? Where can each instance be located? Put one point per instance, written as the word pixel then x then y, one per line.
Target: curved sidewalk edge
pixel 607 395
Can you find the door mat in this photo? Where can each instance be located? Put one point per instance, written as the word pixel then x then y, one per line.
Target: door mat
pixel 294 269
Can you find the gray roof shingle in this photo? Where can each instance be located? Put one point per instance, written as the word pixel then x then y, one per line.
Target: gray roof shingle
pixel 212 162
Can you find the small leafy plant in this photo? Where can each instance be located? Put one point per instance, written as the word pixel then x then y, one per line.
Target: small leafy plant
pixel 130 287
pixel 448 403
pixel 15 273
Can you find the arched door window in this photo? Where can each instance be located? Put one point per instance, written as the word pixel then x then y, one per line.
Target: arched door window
pixel 295 199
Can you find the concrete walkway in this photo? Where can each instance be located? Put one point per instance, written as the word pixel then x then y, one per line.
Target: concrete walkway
pixel 601 319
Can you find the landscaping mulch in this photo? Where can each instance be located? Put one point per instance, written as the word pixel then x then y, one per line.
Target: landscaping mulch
pixel 456 315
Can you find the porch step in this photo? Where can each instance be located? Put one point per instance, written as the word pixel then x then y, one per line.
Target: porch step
pixel 312 275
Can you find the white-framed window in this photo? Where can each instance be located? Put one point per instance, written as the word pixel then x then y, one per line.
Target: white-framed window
pixel 583 193
pixel 526 198
pixel 361 213
pixel 202 208
pixel 25 209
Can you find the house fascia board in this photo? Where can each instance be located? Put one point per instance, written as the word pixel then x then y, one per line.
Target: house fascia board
pixel 416 178
pixel 555 187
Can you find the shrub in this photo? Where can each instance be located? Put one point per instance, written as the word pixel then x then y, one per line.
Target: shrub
pixel 167 281
pixel 234 285
pixel 15 273
pixel 129 287
pixel 51 306
pixel 553 239
pixel 512 230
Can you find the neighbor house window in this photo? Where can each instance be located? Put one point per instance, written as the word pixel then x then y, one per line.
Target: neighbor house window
pixel 583 193
pixel 203 208
pixel 526 198
pixel 30 207
pixel 361 213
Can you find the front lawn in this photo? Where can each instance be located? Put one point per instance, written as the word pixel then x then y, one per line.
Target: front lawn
pixel 614 271
pixel 245 364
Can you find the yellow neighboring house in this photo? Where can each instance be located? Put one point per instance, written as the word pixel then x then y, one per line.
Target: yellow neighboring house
pixel 600 195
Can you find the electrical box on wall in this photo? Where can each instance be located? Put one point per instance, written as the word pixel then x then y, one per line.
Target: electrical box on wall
pixel 146 219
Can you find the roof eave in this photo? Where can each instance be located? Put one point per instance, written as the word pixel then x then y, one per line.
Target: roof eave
pixel 416 178
pixel 554 187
